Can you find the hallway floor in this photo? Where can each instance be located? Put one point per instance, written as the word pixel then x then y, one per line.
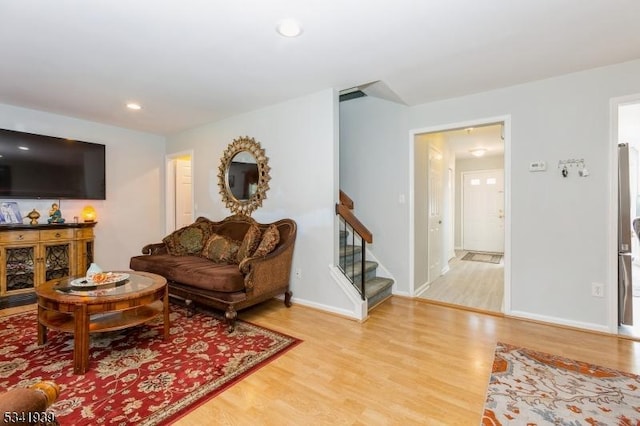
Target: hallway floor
pixel 477 285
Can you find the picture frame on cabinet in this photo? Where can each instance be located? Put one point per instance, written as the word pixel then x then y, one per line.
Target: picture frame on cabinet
pixel 9 213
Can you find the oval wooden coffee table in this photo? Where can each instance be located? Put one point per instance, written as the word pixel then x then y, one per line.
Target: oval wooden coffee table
pixel 141 298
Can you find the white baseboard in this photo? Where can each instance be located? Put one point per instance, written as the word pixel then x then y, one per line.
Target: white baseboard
pixel 561 321
pixel 326 308
pixel 420 290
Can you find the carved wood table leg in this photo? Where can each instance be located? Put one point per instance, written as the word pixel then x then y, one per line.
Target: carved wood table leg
pixel 42 329
pixel 287 298
pixel 165 303
pixel 81 339
pixel 230 315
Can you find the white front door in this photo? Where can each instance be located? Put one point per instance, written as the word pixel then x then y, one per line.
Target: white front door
pixel 483 211
pixel 436 198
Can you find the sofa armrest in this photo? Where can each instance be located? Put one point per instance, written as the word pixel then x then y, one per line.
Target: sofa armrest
pixel 270 272
pixel 155 248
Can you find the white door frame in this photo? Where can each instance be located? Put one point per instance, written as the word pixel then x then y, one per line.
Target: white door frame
pixel 170 188
pixel 612 273
pixel 431 274
pixel 506 120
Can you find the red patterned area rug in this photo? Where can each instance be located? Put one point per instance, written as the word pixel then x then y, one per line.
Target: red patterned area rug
pixel 135 377
pixel 535 388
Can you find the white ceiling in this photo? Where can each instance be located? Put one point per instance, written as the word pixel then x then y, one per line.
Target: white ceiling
pixel 191 62
pixel 462 141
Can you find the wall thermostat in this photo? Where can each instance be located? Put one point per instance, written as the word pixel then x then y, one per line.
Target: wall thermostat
pixel 537 166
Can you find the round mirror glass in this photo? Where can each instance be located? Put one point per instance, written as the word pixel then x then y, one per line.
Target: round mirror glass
pixel 242 176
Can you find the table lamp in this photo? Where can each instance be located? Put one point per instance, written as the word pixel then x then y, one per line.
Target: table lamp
pixel 89 214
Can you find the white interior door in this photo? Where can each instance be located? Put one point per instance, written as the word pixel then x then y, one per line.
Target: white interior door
pixel 436 199
pixel 483 211
pixel 179 205
pixel 184 198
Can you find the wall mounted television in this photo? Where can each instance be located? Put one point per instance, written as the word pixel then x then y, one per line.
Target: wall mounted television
pixel 38 166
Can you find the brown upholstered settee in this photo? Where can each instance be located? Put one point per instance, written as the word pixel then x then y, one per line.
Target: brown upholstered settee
pixel 228 265
pixel 27 406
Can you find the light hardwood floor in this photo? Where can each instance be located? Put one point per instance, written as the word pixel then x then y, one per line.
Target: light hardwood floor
pixel 411 363
pixel 476 285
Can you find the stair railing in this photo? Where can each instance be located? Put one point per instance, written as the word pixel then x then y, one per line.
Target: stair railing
pixel 351 223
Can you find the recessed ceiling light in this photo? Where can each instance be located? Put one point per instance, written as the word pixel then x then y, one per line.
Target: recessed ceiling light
pixel 134 106
pixel 289 28
pixel 24 148
pixel 478 152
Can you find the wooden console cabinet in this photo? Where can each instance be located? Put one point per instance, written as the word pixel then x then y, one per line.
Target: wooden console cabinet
pixel 31 255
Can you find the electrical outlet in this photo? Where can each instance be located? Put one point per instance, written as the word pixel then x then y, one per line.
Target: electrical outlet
pixel 597 290
pixel 298 273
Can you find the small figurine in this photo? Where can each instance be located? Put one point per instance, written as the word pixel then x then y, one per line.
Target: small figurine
pixel 55 216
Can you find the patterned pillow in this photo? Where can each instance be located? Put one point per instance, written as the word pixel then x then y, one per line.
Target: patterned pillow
pixel 188 240
pixel 221 249
pixel 250 242
pixel 269 241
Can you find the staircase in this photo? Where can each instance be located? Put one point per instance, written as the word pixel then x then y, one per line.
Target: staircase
pixel 376 289
pixel 362 273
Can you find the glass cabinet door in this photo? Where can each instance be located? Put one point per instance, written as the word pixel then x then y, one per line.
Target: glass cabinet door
pixel 57 261
pixel 88 254
pixel 20 267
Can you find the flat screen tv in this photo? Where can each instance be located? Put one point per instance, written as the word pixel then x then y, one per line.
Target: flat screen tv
pixel 38 166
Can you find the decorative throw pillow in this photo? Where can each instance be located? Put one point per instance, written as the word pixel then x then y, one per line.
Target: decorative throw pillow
pixel 244 265
pixel 188 240
pixel 221 249
pixel 250 242
pixel 269 241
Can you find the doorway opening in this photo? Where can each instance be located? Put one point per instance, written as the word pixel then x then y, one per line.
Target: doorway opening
pixel 628 131
pixel 179 194
pixel 460 222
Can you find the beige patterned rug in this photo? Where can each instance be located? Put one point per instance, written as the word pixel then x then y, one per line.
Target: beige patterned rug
pixel 478 256
pixel 535 388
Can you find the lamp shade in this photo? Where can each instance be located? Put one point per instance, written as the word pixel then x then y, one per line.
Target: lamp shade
pixel 89 214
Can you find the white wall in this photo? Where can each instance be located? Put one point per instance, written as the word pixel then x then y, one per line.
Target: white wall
pixel 300 139
pixel 133 213
pixel 560 227
pixel 374 173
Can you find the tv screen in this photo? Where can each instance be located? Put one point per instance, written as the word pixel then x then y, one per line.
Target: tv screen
pixel 38 166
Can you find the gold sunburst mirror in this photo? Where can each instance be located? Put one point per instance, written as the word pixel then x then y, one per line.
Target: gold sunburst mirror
pixel 243 176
